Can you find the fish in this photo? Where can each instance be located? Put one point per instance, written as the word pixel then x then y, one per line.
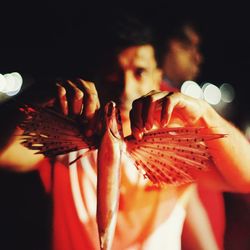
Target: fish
pixel 165 156
pixel 108 176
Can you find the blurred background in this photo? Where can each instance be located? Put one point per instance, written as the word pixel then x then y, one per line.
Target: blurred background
pixel 44 41
pixel 56 39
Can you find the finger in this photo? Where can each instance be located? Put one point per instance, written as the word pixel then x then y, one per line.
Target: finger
pixel 148 112
pixel 63 103
pixel 76 97
pixel 91 101
pixel 136 119
pixel 91 106
pixel 180 108
pixel 152 106
pixel 168 103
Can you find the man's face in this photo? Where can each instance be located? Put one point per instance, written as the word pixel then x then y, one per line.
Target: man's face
pixel 184 58
pixel 134 75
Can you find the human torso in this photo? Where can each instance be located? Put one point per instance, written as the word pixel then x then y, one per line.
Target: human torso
pixel 149 217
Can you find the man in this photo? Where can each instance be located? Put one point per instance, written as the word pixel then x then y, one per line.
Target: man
pixel 148 218
pixel 180 56
pixel 180 60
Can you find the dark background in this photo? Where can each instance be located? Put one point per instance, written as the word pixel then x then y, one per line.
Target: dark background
pixel 56 38
pixel 50 39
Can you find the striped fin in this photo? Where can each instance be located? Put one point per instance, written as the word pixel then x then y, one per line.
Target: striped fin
pixel 167 156
pixel 51 133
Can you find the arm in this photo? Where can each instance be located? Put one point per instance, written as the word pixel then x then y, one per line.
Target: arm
pixel 197 231
pixel 75 99
pixel 16 157
pixel 13 156
pixel 231 155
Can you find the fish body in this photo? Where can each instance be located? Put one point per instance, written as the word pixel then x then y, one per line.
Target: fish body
pixel 108 177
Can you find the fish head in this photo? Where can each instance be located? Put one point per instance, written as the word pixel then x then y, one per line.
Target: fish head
pixel 113 120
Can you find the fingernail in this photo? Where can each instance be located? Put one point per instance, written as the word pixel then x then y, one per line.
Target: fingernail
pixel 141 135
pixel 148 126
pixel 137 134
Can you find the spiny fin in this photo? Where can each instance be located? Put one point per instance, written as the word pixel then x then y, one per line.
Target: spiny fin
pixel 166 156
pixel 51 133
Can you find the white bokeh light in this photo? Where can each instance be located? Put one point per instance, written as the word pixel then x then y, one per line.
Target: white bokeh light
pixel 11 83
pixel 227 92
pixel 12 93
pixel 211 93
pixel 18 77
pixel 192 89
pixel 205 85
pixel 18 81
pixel 3 83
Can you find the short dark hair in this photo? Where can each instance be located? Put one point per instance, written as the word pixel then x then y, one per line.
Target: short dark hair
pixel 124 30
pixel 130 31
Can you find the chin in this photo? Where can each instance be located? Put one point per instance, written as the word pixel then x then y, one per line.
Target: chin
pixel 125 107
pixel 124 112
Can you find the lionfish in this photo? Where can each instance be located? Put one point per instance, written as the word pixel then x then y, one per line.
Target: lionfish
pixel 164 156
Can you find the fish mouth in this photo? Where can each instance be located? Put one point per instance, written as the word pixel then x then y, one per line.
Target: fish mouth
pixel 110 108
pixel 113 120
pixel 115 135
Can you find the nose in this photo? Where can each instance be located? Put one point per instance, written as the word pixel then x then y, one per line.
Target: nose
pixel 129 85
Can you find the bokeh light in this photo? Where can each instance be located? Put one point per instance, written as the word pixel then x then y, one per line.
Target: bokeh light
pixel 211 93
pixel 3 83
pixel 10 83
pixel 227 92
pixel 192 89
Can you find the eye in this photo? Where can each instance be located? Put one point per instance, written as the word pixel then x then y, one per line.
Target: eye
pixel 140 72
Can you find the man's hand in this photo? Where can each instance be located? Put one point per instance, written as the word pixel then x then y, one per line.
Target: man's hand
pixel 79 99
pixel 160 109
